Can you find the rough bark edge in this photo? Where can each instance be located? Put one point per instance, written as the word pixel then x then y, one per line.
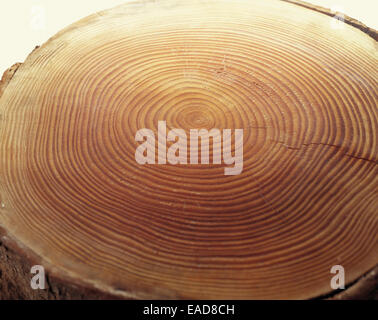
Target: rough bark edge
pixel 346 19
pixel 364 288
pixel 15 277
pixel 16 260
pixel 7 77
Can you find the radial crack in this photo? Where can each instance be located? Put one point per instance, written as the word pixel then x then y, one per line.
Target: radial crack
pixel 287 146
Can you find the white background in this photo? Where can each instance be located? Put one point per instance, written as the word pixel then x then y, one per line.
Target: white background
pixel 27 23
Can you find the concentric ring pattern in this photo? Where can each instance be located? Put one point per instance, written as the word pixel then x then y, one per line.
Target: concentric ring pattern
pixel 305 95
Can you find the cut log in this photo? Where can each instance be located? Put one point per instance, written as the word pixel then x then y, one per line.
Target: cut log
pixel 75 200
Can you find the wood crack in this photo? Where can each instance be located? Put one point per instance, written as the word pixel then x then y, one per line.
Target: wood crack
pixel 375 162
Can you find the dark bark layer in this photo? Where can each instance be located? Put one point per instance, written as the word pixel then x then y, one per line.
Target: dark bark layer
pixel 15 280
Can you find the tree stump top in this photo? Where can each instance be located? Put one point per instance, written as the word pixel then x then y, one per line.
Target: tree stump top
pixel 74 199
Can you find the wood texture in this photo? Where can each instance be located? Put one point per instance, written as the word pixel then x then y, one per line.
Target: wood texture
pixel 73 196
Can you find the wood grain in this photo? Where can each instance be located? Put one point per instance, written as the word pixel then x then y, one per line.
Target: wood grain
pixel 304 94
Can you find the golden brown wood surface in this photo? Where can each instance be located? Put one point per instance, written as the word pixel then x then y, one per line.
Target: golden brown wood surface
pixel 73 196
